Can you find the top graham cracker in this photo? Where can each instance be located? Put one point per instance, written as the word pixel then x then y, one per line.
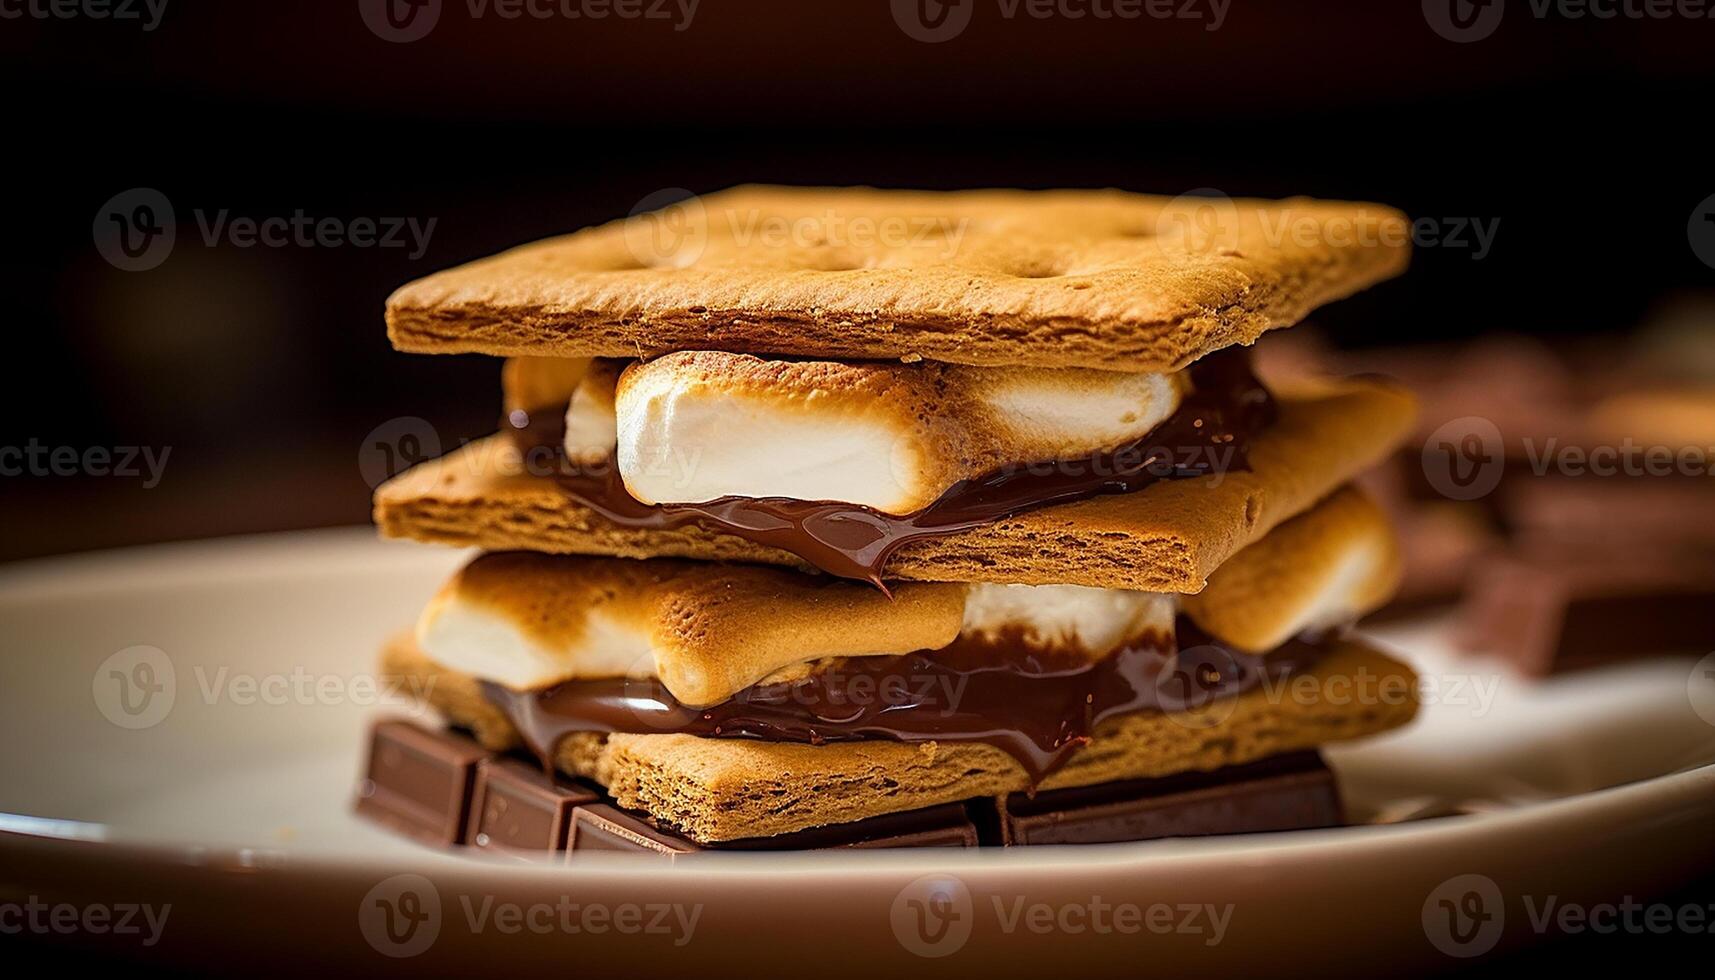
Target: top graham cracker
pixel 1065 278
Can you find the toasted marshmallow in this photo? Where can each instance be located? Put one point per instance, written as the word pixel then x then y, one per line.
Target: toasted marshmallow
pixel 709 630
pixel 706 630
pixel 591 428
pixel 1324 568
pixel 535 383
pixel 1096 621
pixel 477 639
pixel 698 425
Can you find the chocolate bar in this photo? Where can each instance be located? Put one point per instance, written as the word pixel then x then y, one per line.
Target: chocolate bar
pixel 609 828
pixel 419 782
pixel 1609 515
pixel 1547 613
pixel 422 783
pixel 517 811
pixel 1289 792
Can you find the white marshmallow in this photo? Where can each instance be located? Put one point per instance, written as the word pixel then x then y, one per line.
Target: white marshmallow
pixel 1041 407
pixel 591 426
pixel 1343 595
pixel 685 446
pixel 482 642
pixel 1094 620
pixel 701 425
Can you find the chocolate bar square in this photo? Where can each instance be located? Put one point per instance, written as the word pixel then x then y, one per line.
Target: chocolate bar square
pixel 1290 792
pixel 1547 613
pixel 518 811
pixel 609 828
pixel 601 827
pixel 419 781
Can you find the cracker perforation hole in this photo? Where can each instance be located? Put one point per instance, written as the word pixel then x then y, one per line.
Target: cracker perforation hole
pixel 1038 272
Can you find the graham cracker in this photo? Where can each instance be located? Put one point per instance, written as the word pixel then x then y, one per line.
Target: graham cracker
pixel 715 789
pixel 1064 278
pixel 1168 537
pixel 1329 565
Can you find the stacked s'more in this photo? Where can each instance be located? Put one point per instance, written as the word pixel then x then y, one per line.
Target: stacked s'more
pixel 852 517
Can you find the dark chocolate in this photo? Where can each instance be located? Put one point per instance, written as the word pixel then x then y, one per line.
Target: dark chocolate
pixel 419 781
pixel 948 825
pixel 518 811
pixel 1547 613
pixel 1210 433
pixel 601 827
pixel 1038 706
pixel 1592 515
pixel 608 828
pixel 1289 792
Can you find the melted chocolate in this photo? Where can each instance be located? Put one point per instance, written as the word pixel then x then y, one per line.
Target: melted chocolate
pixel 1210 433
pixel 1038 706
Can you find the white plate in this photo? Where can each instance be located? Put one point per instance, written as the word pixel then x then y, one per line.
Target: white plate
pixel 233 802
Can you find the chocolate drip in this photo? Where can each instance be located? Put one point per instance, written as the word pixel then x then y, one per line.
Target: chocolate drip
pixel 1038 706
pixel 1210 433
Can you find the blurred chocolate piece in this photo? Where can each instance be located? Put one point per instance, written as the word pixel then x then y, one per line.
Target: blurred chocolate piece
pixel 1440 543
pixel 1608 444
pixel 1439 539
pixel 1520 384
pixel 608 828
pixel 1673 418
pixel 1611 515
pixel 1289 792
pixel 1550 613
pixel 419 782
pixel 517 811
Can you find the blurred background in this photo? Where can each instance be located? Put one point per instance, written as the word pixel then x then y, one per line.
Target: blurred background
pixel 1551 159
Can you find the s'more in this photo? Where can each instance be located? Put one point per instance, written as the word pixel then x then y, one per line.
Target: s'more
pixel 832 518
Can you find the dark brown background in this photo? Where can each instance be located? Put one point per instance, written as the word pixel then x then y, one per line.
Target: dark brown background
pixel 263 368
